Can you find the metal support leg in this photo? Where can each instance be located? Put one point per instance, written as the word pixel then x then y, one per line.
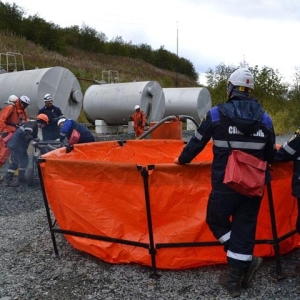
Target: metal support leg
pixel 152 250
pixel 276 246
pixel 48 212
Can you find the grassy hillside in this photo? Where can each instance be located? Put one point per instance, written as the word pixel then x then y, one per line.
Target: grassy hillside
pixel 90 66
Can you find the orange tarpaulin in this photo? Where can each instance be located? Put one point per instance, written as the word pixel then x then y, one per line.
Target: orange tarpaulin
pixel 99 189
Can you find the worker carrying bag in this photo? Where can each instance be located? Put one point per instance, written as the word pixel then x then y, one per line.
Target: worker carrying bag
pixel 245 173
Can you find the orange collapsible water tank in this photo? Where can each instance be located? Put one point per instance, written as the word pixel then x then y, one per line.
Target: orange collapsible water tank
pixel 171 130
pixel 127 202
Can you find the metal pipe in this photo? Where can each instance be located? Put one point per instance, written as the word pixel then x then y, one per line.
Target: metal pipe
pixel 156 125
pixel 184 117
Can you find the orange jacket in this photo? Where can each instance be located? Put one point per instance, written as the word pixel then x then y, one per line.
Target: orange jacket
pixel 12 116
pixel 139 119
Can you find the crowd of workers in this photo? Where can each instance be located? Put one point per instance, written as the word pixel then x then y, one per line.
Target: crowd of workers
pixel 240 122
pixel 17 131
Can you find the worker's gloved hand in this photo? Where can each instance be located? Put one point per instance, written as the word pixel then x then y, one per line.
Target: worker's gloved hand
pixel 34 143
pixel 69 148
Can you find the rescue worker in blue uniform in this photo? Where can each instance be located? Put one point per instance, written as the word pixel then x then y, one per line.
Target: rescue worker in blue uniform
pixel 18 146
pixel 290 151
pixel 67 126
pixel 54 113
pixel 231 216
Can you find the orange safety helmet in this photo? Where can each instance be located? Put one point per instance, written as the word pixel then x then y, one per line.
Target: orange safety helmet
pixel 43 117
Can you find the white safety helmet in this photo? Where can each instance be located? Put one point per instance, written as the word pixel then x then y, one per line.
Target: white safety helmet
pixel 242 77
pixel 48 97
pixel 137 107
pixel 11 99
pixel 25 99
pixel 60 121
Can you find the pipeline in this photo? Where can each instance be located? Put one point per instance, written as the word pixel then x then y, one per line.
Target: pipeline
pixel 169 118
pixel 185 117
pixel 92 80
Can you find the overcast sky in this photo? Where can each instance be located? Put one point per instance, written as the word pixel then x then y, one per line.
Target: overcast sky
pixel 206 32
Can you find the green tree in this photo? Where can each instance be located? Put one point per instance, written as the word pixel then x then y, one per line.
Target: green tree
pixel 294 90
pixel 11 17
pixel 268 87
pixel 41 32
pixel 54 38
pixel 184 66
pixel 217 82
pixel 116 46
pixel 91 40
pixel 145 53
pixel 293 105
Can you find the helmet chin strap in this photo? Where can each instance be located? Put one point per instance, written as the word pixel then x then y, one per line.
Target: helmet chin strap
pixel 230 88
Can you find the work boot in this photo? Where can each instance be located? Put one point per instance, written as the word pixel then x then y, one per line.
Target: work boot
pixel 250 271
pixel 232 282
pixel 9 179
pixel 13 183
pixel 21 176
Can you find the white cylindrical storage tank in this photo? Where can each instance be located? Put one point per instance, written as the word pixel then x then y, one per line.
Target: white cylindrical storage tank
pixel 58 81
pixel 114 103
pixel 193 101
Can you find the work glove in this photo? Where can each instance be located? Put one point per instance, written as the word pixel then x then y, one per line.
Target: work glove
pixel 69 148
pixel 35 142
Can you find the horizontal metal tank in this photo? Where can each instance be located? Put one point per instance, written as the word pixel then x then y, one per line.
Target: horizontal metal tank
pixel 114 103
pixel 58 81
pixel 193 101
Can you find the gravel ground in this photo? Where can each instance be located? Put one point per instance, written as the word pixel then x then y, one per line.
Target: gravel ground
pixel 30 271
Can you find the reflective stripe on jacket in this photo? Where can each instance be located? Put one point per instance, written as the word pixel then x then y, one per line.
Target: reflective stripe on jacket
pixel 290 151
pixel 260 143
